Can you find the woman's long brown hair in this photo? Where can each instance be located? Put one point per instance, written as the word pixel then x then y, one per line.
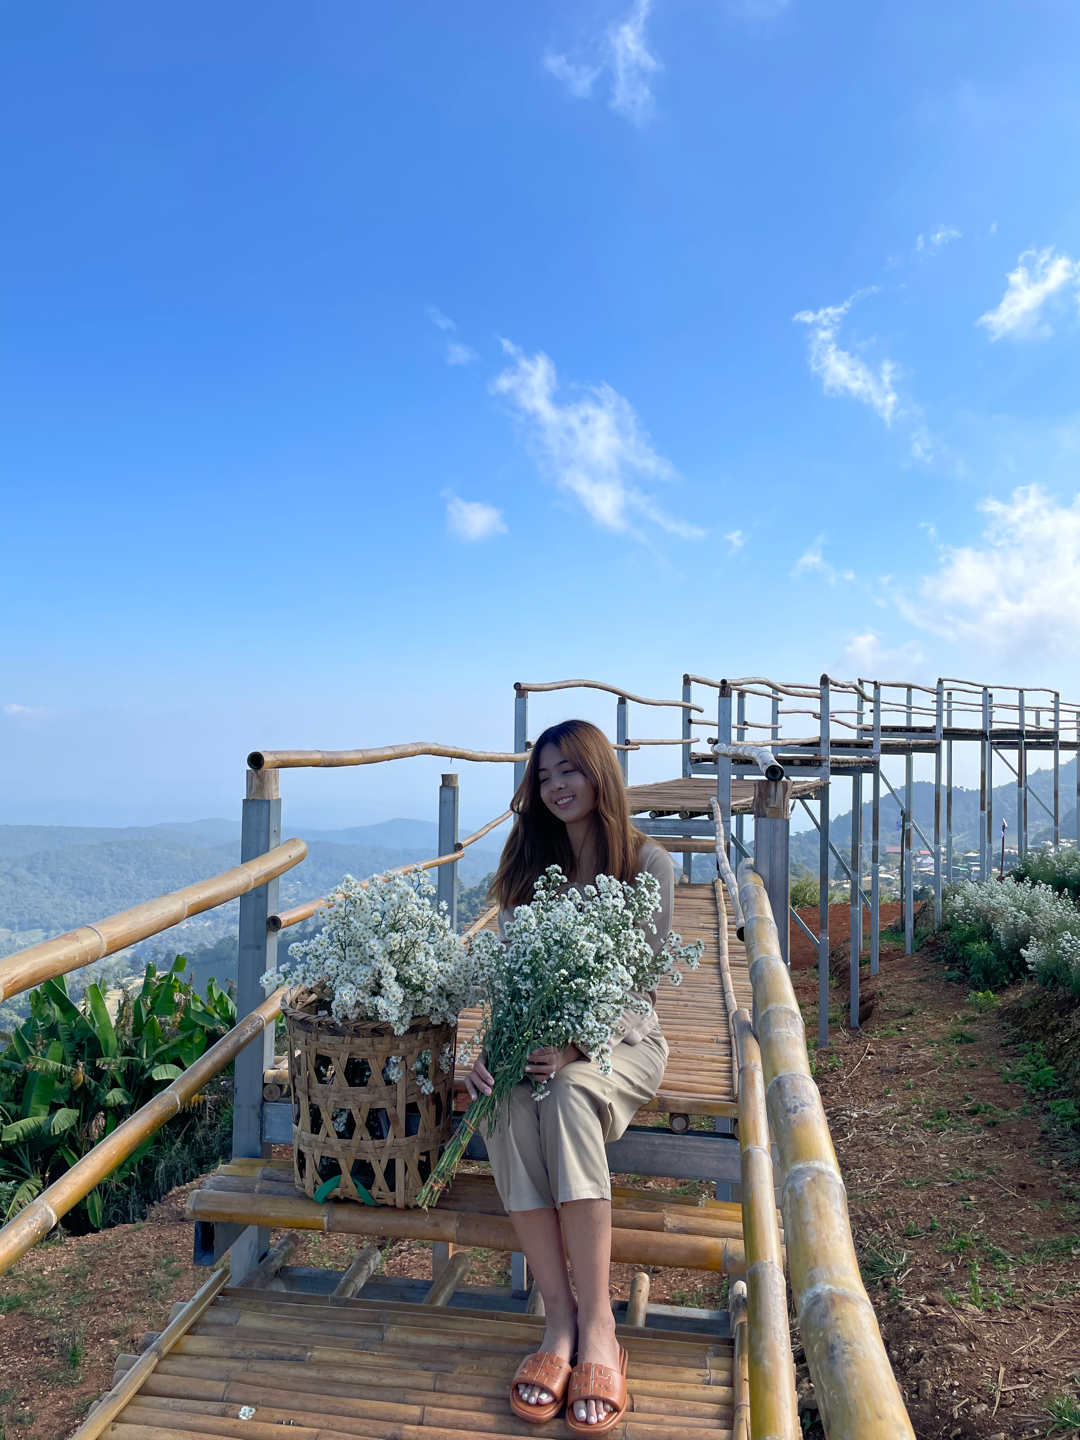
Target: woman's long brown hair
pixel 539 838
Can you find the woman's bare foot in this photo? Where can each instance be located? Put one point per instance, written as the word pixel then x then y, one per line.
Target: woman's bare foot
pixel 597 1346
pixel 560 1338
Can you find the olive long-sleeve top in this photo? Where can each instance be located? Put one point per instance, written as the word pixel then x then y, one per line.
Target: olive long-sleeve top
pixel 634 1026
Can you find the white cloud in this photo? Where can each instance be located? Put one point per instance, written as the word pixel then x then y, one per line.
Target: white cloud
pixel 813 559
pixel 867 656
pixel 436 317
pixel 1030 287
pixel 843 373
pixel 943 234
pixel 594 447
pixel 624 52
pixel 1018 591
pixel 633 64
pixel 29 712
pixel 460 354
pixel 472 519
pixel 736 540
pixel 578 79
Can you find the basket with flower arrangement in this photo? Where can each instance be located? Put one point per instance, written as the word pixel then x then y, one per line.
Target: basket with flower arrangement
pixel 371 1029
pixel 573 962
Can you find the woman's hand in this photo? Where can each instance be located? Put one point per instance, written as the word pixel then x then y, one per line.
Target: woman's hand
pixel 479 1080
pixel 545 1063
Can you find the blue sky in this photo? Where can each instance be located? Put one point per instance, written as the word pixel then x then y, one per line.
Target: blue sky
pixel 360 361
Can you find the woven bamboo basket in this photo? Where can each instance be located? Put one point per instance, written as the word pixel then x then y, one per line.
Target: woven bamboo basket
pixel 359 1115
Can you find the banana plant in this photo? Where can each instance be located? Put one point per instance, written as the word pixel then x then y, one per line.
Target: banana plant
pixel 70 1074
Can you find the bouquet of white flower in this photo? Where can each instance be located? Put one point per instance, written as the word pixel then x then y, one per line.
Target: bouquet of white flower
pixel 385 954
pixel 573 962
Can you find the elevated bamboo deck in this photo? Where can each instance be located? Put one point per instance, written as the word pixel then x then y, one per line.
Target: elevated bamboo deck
pixel 384 1371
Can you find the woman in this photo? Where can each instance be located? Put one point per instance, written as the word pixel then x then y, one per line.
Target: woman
pixel 548 1156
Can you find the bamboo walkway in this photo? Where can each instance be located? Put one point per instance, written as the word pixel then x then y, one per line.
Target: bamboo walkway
pixel 369 1370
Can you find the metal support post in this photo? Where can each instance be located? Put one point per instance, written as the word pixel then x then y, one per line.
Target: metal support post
pixel 772 859
pixel 723 762
pixel 856 894
pixel 907 855
pixel 984 756
pixel 740 735
pixel 948 811
pixel 1021 783
pixel 621 731
pixel 989 787
pixel 1057 771
pixel 875 842
pixel 257 953
pixel 774 718
pixel 824 746
pixel 1076 754
pixel 521 731
pixel 687 760
pixel 519 1271
pixel 939 712
pixel 448 837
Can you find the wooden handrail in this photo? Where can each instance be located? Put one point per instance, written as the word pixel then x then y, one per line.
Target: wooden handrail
pixel 523 688
pixel 285 918
pixel 35 1221
pixel 854 1384
pixel 41 962
pixel 316 759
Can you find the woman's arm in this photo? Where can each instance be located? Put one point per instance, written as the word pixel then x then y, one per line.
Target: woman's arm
pixel 657 862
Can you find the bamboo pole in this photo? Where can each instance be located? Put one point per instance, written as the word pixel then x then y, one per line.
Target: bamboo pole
pixel 853 1380
pixel 611 690
pixel 358 1273
pixel 457 1227
pixel 450 1277
pixel 723 864
pixel 637 1307
pixel 285 918
pixel 774 1410
pixel 730 1003
pixel 479 924
pixel 316 759
pixel 268 1268
pixel 35 1221
pixel 740 1429
pixel 112 1403
pixel 41 962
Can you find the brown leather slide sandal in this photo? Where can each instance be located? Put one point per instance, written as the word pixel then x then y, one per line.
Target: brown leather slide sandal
pixel 597 1382
pixel 549 1371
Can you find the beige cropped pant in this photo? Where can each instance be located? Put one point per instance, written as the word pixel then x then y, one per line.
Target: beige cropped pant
pixel 546 1152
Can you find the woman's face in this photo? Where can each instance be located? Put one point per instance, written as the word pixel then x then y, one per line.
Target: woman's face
pixel 565 791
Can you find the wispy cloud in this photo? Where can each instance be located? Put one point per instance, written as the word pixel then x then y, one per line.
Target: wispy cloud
pixel 866 655
pixel 436 317
pixel 29 712
pixel 460 354
pixel 594 447
pixel 623 51
pixel 842 373
pixel 1017 591
pixel 812 560
pixel 472 520
pixel 941 236
pixel 1039 277
pixel 736 540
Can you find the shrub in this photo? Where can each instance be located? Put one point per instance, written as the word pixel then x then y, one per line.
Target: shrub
pixel 997 931
pixel 1060 870
pixel 70 1075
pixel 804 892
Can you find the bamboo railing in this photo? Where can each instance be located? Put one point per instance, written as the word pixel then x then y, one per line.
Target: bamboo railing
pixel 294 916
pixel 774 1407
pixel 35 1221
pixel 523 689
pixel 316 759
pixel 38 963
pixel 856 1390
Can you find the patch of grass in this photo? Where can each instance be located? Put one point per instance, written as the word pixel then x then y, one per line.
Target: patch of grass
pixel 982 1001
pixel 1064 1412
pixel 10 1302
pixel 703 1297
pixel 166 1270
pixel 963 1175
pixel 879 1260
pixel 1054 1247
pixel 917 1184
pixel 962 1037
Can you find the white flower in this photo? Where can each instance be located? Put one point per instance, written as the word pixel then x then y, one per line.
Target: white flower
pixel 385 954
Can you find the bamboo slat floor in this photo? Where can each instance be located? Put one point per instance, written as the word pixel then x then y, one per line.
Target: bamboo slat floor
pixel 691 796
pixel 372 1370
